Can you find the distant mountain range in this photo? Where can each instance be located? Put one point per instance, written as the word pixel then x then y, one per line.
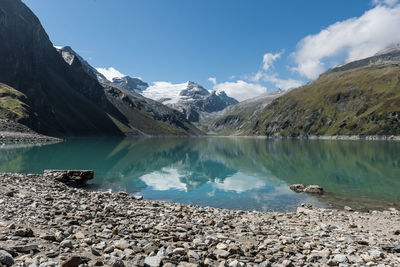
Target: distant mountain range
pixel 189 98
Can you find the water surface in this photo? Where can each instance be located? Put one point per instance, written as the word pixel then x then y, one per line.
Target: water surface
pixel 237 173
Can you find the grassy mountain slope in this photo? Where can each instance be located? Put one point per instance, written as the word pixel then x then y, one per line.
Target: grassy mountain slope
pixel 12 104
pixel 235 119
pixel 363 100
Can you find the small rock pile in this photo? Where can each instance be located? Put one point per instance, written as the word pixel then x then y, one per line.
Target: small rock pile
pixel 44 223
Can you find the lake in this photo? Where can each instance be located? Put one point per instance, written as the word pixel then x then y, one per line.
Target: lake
pixel 235 173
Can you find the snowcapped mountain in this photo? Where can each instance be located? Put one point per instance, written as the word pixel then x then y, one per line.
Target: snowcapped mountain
pixel 190 98
pixel 121 81
pixel 130 112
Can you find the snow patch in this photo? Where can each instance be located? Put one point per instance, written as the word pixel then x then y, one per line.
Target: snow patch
pixel 167 93
pixel 110 73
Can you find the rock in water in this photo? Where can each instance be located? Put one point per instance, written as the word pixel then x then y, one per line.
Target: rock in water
pixel 314 189
pixel 297 188
pixel 74 178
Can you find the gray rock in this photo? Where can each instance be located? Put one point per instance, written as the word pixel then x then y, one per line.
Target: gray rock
pixel 376 254
pixel 116 262
pixel 138 260
pixel 220 253
pixel 24 232
pixel 187 264
pixel 178 251
pixel 67 244
pixel 297 188
pixel 340 258
pixel 95 252
pixel 236 263
pixel 348 208
pixel 287 263
pixel 48 264
pixel 193 254
pixel 314 189
pixel 266 263
pixel 154 261
pixel 109 249
pixel 6 258
pixel 75 178
pixel 121 244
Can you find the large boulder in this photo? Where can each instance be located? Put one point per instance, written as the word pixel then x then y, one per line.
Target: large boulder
pixel 74 178
pixel 314 189
pixel 297 188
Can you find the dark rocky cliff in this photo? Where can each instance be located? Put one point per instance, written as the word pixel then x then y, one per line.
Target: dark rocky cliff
pixel 63 99
pixel 64 102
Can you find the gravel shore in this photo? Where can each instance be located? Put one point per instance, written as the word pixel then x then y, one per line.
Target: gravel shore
pixel 14 132
pixel 44 222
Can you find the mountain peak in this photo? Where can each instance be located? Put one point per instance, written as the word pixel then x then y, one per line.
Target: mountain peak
pixel 390 49
pixel 110 73
pixel 389 55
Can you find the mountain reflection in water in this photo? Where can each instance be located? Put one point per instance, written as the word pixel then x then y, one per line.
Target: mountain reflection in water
pixel 239 173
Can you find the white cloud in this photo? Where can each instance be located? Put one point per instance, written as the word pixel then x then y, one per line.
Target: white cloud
pixel 269 59
pixel 356 38
pixel 110 73
pixel 385 2
pixel 240 183
pixel 264 75
pixel 240 90
pixel 213 80
pixel 282 83
pixel 257 77
pixel 166 179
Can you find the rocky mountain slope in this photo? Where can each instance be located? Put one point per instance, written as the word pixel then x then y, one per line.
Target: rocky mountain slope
pixel 358 98
pixel 129 84
pixel 190 98
pixel 235 119
pixel 145 116
pixel 56 98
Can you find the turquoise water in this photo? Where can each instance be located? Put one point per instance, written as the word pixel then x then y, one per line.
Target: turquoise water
pixel 237 173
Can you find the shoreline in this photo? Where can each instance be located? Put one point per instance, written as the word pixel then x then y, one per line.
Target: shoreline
pixel 45 222
pixel 12 132
pixel 30 138
pixel 318 137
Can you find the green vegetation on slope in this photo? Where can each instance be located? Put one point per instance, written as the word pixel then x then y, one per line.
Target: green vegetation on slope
pixel 12 104
pixel 239 117
pixel 361 101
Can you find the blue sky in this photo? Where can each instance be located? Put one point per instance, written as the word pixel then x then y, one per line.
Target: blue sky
pixel 180 40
